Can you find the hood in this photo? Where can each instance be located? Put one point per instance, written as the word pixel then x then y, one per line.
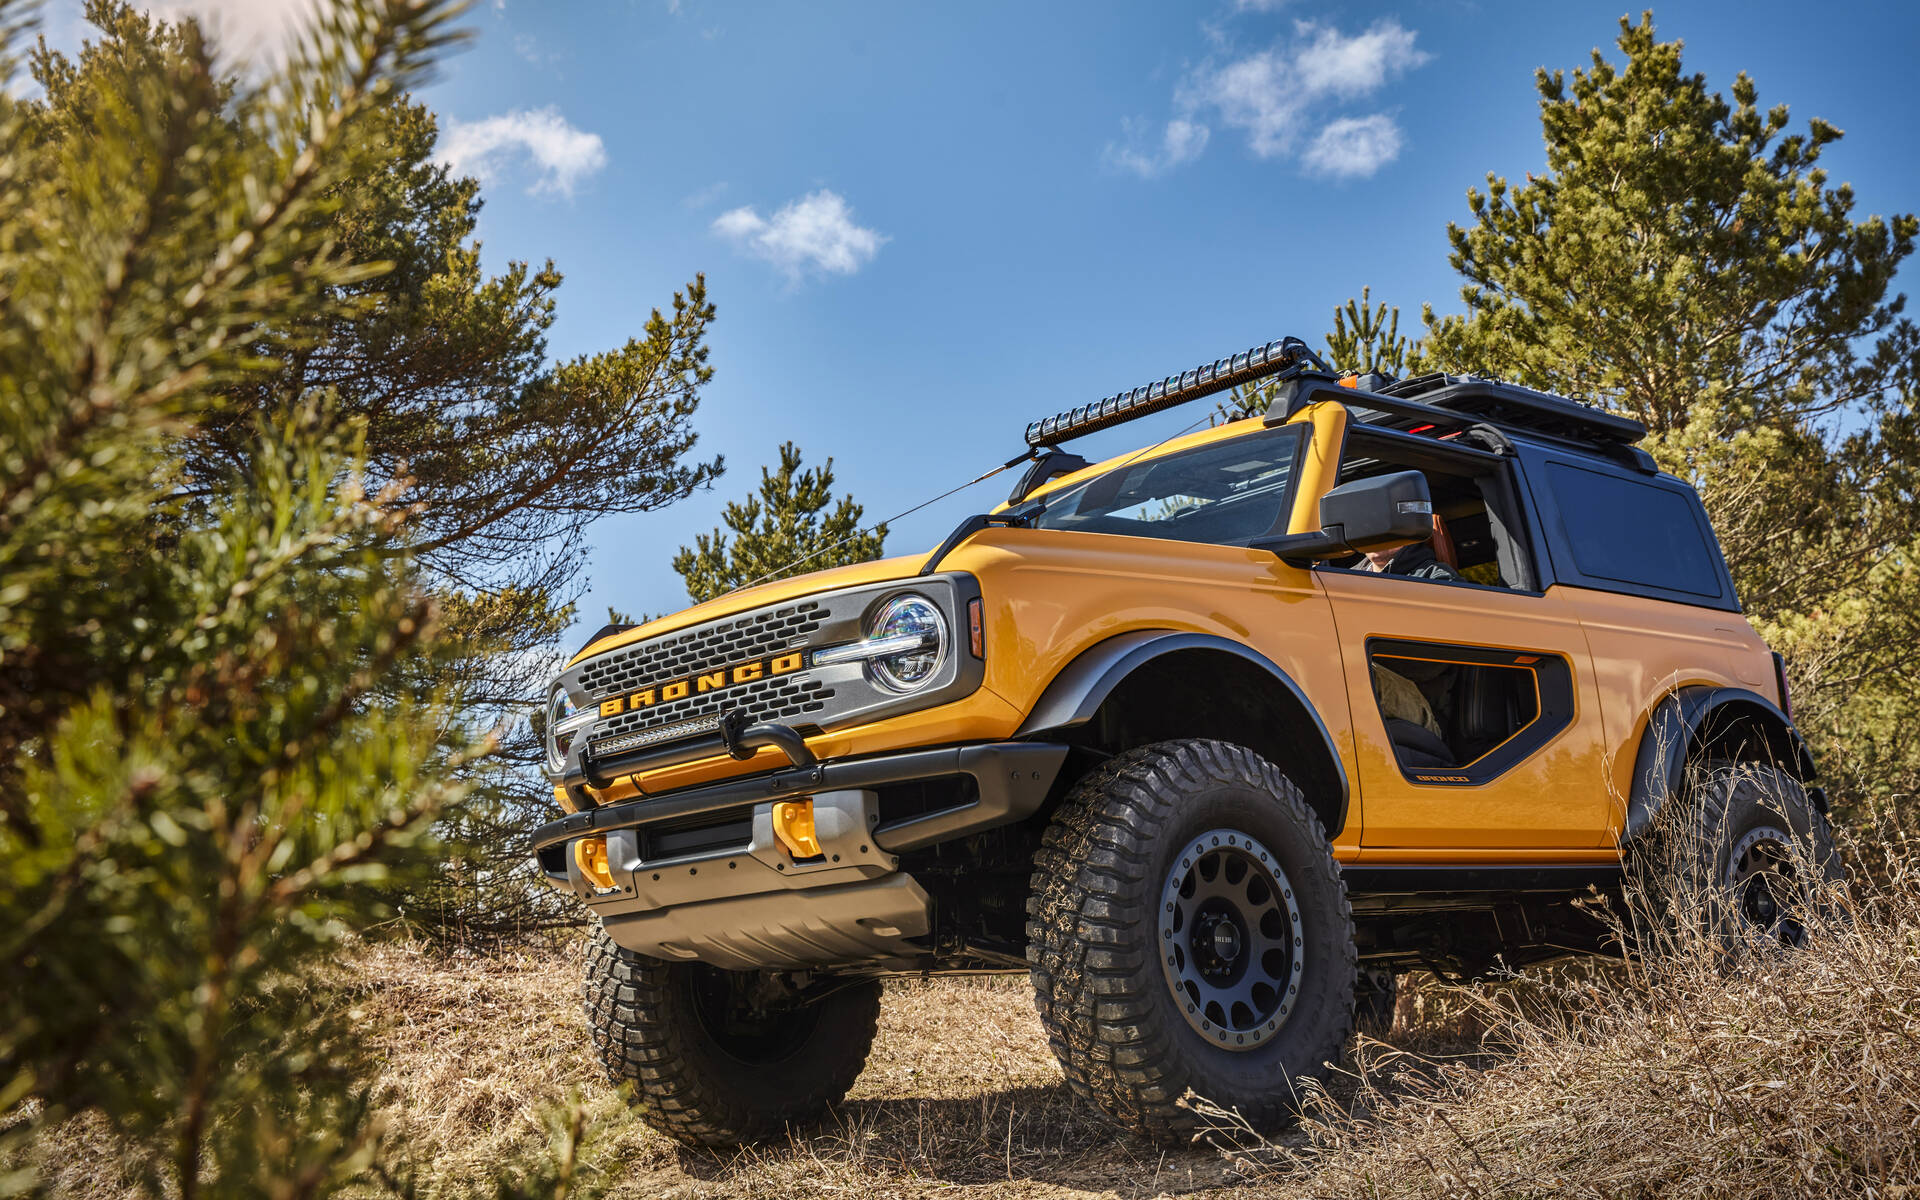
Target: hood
pixel 746 599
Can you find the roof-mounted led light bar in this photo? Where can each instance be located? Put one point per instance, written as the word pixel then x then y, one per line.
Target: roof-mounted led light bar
pixel 1274 358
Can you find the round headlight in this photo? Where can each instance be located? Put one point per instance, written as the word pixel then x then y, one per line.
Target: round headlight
pixel 560 727
pixel 910 616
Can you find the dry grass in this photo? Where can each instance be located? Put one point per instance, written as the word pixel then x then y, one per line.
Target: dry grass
pixel 1769 1075
pixel 1718 1070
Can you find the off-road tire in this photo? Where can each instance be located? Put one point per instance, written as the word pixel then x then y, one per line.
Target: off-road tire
pixel 1686 861
pixel 1109 1011
pixel 649 1032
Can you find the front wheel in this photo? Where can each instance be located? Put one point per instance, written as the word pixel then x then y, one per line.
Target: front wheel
pixel 713 1058
pixel 1189 933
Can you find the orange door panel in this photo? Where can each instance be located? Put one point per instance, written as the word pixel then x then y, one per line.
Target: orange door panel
pixel 1049 608
pixel 1542 787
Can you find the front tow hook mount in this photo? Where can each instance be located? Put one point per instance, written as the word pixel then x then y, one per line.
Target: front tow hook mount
pixel 742 739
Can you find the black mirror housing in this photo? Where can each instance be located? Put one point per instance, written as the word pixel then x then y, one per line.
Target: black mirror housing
pixel 1367 514
pixel 1386 510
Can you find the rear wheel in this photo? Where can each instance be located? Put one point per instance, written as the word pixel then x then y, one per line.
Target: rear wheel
pixel 720 1057
pixel 1750 860
pixel 1189 933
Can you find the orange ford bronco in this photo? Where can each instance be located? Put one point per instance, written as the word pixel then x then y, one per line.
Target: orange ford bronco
pixel 1209 738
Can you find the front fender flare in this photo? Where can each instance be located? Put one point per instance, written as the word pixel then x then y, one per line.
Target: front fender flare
pixel 1077 692
pixel 1700 715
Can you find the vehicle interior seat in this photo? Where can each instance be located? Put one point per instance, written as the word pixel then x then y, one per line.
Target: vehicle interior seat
pixel 1417 746
pixel 1443 548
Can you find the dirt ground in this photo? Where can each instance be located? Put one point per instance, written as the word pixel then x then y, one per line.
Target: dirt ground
pixel 960 1095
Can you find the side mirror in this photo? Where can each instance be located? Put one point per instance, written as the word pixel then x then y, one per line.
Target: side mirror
pixel 1367 514
pixel 1387 510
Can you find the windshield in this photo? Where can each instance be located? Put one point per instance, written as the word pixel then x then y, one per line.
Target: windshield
pixel 1226 493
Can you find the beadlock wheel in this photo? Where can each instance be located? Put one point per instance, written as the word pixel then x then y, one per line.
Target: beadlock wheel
pixel 1206 854
pixel 1230 933
pixel 1764 887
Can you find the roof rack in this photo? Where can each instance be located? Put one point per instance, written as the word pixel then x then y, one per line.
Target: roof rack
pixel 1510 406
pixel 1437 401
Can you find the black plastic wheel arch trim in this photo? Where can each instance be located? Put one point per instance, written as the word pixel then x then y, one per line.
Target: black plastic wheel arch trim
pixel 1679 720
pixel 1080 688
pixel 1013 779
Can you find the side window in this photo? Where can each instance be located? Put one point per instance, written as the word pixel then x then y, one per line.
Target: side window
pixel 1464 714
pixel 1635 533
pixel 1475 537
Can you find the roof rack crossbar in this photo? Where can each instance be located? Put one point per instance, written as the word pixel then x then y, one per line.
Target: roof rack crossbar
pixel 1363 403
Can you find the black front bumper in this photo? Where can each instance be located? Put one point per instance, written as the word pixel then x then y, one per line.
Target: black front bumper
pixel 1012 778
pixel 733 897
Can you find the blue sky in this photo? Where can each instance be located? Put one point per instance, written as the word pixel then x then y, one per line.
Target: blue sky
pixel 924 226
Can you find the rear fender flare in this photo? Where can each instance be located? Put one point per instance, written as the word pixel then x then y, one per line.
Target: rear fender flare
pixel 1077 693
pixel 1693 721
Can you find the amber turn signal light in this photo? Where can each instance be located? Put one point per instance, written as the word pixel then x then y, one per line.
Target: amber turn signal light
pixel 976 629
pixel 590 855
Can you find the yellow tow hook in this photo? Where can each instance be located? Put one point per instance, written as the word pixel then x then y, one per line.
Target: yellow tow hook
pixel 793 825
pixel 590 854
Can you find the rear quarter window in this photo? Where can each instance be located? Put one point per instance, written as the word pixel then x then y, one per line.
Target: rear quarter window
pixel 1642 534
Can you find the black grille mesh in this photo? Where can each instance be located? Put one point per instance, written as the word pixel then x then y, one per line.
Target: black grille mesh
pixel 765 700
pixel 678 655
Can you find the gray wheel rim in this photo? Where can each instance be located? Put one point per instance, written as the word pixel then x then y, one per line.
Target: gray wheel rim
pixel 1231 943
pixel 1762 885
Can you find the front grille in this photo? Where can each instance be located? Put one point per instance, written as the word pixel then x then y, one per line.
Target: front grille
pixel 739 639
pixel 763 700
pixel 752 635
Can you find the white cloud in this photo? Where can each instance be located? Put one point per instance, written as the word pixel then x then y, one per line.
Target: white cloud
pixel 814 232
pixel 1264 6
pixel 1337 65
pixel 1274 96
pixel 705 196
pixel 254 30
pixel 1284 96
pixel 564 155
pixel 1353 147
pixel 1181 141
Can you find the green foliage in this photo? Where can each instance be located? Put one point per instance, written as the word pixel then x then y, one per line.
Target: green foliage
pixel 1365 337
pixel 506 457
pixel 1684 260
pixel 225 729
pixel 1679 251
pixel 785 530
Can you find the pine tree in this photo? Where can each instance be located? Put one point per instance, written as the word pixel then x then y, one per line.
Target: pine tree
pixel 220 722
pixel 785 530
pixel 1364 337
pixel 1684 260
pixel 508 457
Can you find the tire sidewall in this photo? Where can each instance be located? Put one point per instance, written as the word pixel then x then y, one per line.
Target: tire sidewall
pixel 1756 796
